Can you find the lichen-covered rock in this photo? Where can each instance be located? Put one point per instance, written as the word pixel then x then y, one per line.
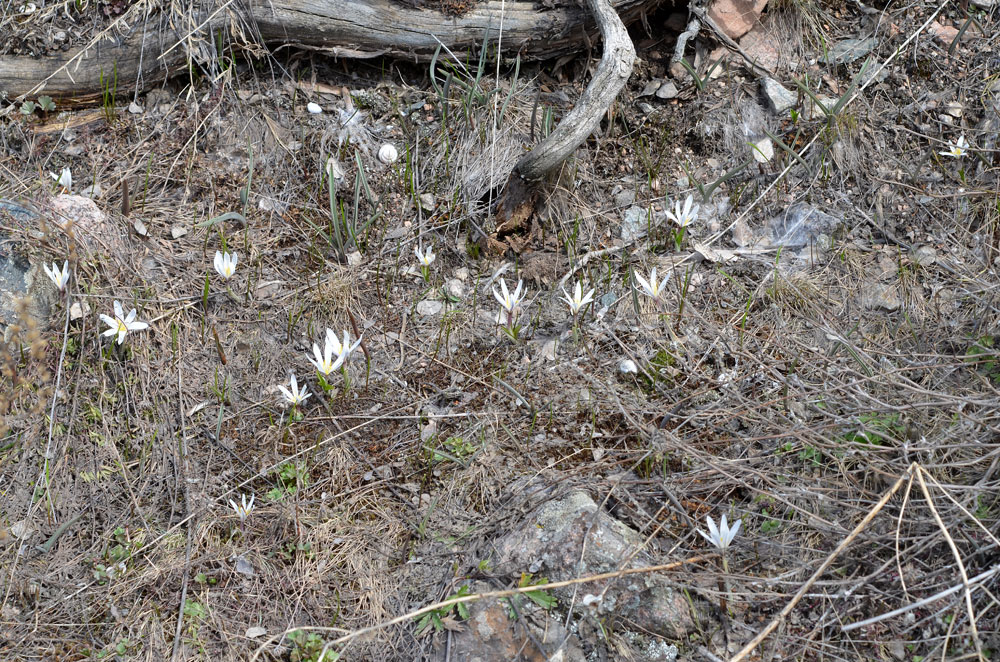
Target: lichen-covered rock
pixel 571 537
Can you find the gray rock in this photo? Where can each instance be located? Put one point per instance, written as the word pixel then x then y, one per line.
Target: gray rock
pixel 879 296
pixel 848 50
pixel 551 544
pixel 650 88
pixel 799 225
pixel 779 98
pixel 455 288
pixel 634 223
pixel 667 91
pixel 20 279
pixel 429 307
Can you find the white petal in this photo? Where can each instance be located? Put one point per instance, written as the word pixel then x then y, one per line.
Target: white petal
pixel 137 326
pixel 118 310
pixel 499 298
pixel 712 529
pixel 644 284
pixel 735 529
pixel 218 262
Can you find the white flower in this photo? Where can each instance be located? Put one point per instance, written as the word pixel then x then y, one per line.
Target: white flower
pixel 324 361
pixel 684 216
pixel 343 350
pixel 243 509
pixel 60 278
pixel 507 300
pixel 578 300
pixel 65 179
pixel 651 287
pixel 121 324
pixel 225 263
pixel 956 149
pixel 721 536
pixel 387 154
pixel 295 396
pixel 425 257
pixel 314 108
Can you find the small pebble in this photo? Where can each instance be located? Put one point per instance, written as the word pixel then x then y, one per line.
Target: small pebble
pixel 314 108
pixel 387 154
pixel 627 367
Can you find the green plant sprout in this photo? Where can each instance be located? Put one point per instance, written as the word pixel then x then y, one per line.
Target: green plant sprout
pixel 436 617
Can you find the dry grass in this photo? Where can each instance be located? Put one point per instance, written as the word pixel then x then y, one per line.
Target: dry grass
pixel 833 403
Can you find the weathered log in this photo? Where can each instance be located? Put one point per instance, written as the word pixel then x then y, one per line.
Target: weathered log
pixel 348 28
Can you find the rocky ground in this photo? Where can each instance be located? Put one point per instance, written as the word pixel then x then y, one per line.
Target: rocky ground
pixel 819 362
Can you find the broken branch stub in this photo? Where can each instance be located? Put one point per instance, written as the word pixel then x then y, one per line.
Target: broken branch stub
pixel 612 72
pixel 517 202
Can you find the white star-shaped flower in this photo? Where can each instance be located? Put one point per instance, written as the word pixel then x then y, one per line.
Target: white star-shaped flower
pixel 121 324
pixel 507 300
pixel 684 216
pixel 225 264
pixel 294 396
pixel 956 149
pixel 721 536
pixel 651 288
pixel 578 300
pixel 425 257
pixel 60 278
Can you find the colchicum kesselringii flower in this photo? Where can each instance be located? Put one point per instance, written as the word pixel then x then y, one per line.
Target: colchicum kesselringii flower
pixel 344 349
pixel 425 257
pixel 225 264
pixel 64 179
pixel 243 509
pixel 509 301
pixel 684 216
pixel 329 359
pixel 60 278
pixel 121 324
pixel 578 300
pixel 294 396
pixel 721 536
pixel 651 288
pixel 956 149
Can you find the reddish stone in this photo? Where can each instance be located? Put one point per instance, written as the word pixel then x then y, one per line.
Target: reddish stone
pixel 736 17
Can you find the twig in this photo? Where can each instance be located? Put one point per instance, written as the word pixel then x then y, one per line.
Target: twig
pixel 978 579
pixel 777 620
pixel 958 560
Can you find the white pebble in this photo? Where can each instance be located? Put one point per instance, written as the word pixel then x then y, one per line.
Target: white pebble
pixel 627 366
pixel 314 108
pixel 387 154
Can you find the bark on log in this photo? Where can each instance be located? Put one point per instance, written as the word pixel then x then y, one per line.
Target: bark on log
pixel 348 28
